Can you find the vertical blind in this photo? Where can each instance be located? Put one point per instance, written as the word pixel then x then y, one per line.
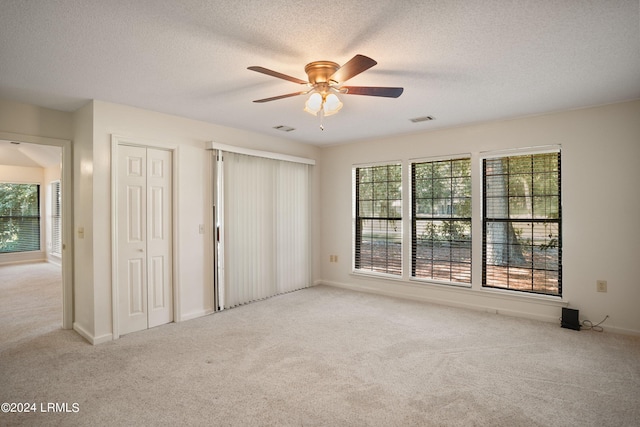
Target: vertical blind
pixel 56 218
pixel 266 227
pixel 19 217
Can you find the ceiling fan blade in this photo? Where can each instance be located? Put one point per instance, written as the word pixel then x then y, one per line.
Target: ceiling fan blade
pixel 388 92
pixel 277 74
pixel 353 67
pixel 273 98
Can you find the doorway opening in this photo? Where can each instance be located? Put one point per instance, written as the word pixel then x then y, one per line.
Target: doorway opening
pixel 36 221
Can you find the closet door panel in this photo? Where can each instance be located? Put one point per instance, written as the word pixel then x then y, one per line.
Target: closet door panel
pixel 132 230
pixel 159 241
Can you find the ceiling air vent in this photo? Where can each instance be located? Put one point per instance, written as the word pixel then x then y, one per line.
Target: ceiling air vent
pixel 284 128
pixel 422 119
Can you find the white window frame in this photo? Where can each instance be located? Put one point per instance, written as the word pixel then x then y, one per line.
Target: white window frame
pixel 546 149
pixel 355 216
pixel 434 159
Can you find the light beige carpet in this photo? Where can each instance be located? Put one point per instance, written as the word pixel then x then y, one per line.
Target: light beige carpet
pixel 30 301
pixel 330 357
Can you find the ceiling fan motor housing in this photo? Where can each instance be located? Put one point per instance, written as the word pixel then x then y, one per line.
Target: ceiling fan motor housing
pixel 320 71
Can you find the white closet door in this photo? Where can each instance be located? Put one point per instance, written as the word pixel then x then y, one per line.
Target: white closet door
pixel 144 238
pixel 159 274
pixel 132 239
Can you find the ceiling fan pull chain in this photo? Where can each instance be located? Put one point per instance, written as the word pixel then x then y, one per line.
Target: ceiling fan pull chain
pixel 321 114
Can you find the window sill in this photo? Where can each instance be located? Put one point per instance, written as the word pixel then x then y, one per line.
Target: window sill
pixel 492 292
pixel 514 295
pixel 376 275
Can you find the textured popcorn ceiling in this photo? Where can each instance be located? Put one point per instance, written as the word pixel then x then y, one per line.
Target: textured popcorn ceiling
pixel 459 61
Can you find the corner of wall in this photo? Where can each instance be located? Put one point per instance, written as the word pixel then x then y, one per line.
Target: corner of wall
pixel 90 337
pixel 82 147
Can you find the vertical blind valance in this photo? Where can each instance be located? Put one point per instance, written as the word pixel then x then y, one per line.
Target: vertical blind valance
pixel 258 153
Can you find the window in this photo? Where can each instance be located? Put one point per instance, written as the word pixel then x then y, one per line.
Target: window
pixel 56 246
pixel 441 220
pixel 378 218
pixel 522 238
pixel 19 217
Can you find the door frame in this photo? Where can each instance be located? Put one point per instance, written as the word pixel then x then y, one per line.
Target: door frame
pixel 116 141
pixel 66 183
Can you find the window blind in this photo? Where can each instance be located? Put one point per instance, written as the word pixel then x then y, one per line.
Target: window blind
pixel 522 234
pixel 378 219
pixel 441 220
pixel 19 217
pixel 56 218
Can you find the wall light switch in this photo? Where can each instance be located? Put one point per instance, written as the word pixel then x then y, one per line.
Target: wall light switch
pixel 601 286
pixel 80 232
pixel 201 228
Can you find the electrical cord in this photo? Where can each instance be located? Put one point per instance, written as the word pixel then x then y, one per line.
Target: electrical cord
pixel 588 325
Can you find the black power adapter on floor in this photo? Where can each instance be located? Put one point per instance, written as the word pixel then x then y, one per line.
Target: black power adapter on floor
pixel 570 319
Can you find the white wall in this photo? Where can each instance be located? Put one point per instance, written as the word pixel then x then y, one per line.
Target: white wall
pixel 193 198
pixel 29 119
pixel 83 274
pixel 601 201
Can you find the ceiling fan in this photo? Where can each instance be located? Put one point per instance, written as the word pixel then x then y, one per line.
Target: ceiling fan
pixel 325 80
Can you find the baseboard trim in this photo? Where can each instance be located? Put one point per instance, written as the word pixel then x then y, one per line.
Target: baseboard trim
pixel 621 331
pixel 195 314
pixel 440 301
pixel 7 262
pixel 83 332
pixel 55 261
pixel 89 337
pixel 102 339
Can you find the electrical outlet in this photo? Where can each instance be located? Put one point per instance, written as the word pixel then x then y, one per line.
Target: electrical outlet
pixel 333 258
pixel 601 285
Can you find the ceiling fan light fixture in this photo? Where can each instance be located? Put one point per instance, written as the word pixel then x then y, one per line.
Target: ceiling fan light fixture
pixel 332 104
pixel 313 104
